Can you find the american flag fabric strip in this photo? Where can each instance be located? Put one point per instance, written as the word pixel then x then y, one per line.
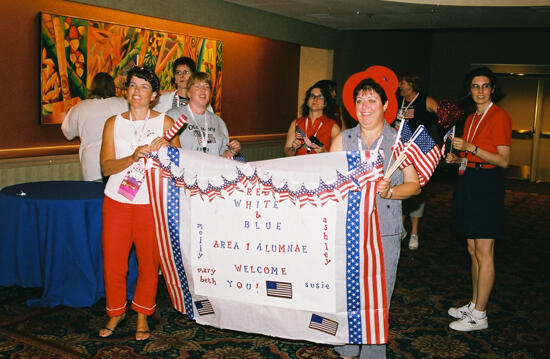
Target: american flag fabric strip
pixel 367 305
pixel 182 120
pixel 326 325
pixel 165 200
pixel 278 289
pixel 204 307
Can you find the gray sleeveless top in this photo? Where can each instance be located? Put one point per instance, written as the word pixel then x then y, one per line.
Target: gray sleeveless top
pixel 389 210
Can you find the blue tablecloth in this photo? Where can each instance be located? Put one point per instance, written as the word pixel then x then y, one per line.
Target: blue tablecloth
pixel 50 237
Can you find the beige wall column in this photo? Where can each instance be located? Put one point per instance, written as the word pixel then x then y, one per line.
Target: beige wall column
pixel 315 65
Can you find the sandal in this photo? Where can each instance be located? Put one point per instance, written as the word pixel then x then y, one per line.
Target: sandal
pixel 148 332
pixel 111 331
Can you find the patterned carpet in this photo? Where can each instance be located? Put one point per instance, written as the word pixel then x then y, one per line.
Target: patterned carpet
pixel 430 280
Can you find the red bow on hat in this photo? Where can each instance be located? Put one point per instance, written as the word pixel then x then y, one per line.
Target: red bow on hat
pixel 382 76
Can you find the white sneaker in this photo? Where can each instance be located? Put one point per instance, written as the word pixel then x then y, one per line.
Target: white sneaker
pixel 413 242
pixel 468 323
pixel 404 234
pixel 460 312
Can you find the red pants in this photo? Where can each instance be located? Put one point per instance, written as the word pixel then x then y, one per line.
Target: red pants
pixel 123 225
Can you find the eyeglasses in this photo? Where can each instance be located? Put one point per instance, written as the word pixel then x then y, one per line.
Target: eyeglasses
pixel 316 97
pixel 484 86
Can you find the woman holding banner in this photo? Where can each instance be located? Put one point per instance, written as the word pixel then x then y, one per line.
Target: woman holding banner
pixel 374 132
pixel 479 190
pixel 205 131
pixel 127 212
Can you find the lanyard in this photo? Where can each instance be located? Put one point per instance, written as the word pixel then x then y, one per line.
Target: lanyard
pixel 318 127
pixel 471 139
pixel 204 135
pixel 136 132
pixel 403 108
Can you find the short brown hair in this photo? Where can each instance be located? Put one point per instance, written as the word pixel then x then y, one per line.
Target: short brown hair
pixel 199 77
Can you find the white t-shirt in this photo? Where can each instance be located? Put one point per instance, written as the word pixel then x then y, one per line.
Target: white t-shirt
pixel 126 135
pixel 86 120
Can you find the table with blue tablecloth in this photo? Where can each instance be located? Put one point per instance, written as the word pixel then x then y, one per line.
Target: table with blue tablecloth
pixel 50 237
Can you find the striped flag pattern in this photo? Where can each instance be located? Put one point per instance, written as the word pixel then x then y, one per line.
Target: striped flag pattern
pixel 420 150
pixel 165 199
pixel 367 305
pixel 182 120
pixel 424 153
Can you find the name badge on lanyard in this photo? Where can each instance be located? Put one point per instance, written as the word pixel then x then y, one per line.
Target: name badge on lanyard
pixel 136 172
pixel 462 166
pixel 203 139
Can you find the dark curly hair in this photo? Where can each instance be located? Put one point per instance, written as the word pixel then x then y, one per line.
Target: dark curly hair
pixel 329 103
pixel 144 73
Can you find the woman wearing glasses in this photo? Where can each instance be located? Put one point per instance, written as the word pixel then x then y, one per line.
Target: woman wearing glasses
pixel 479 189
pixel 314 131
pixel 182 68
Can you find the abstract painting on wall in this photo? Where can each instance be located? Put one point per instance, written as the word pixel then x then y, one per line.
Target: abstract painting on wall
pixel 74 50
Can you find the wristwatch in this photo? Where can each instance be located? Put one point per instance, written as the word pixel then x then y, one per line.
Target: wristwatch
pixel 474 152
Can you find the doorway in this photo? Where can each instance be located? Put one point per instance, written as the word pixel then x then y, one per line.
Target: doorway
pixel 527 101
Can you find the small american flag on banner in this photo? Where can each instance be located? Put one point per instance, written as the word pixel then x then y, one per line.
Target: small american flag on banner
pixel 278 289
pixel 372 170
pixel 323 324
pixel 204 307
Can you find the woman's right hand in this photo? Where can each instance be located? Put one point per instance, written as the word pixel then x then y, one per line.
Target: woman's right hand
pixel 140 152
pixel 296 144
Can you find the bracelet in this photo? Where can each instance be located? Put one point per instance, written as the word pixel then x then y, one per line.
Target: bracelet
pixel 391 193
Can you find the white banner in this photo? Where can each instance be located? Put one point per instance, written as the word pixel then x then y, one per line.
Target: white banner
pixel 287 247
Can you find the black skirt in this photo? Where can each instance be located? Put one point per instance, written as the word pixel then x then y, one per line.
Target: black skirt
pixel 479 203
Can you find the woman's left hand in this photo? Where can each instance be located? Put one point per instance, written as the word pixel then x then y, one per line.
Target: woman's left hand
pixel 383 187
pixel 461 144
pixel 158 143
pixel 318 149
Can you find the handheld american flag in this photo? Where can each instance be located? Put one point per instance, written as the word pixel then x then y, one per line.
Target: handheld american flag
pixel 182 120
pixel 424 154
pixel 420 150
pixel 448 136
pixel 300 135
